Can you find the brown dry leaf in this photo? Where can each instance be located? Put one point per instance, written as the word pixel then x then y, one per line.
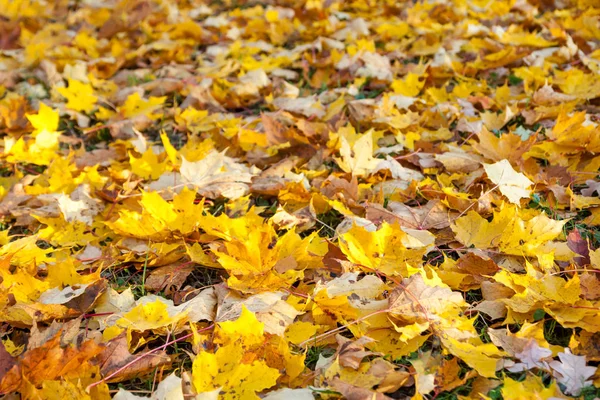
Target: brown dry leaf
pixel 482 386
pixel 493 308
pixel 351 353
pixel 495 291
pixel 6 361
pixel 80 298
pixel 169 277
pixel 586 343
pixel 447 377
pixel 473 264
pixel 307 106
pixel 116 355
pixel 393 378
pixel 198 308
pixel 351 392
pixel 13 199
pixel 300 220
pixel 275 131
pixel 433 215
pixel 590 286
pixel 69 332
pixel 547 96
pixel 593 187
pixel 579 246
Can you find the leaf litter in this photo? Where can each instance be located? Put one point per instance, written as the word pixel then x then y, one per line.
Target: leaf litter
pixel 299 199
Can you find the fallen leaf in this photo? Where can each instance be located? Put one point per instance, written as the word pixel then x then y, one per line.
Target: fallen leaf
pixel 80 96
pixel 572 371
pixel 117 362
pixel 170 277
pixel 508 231
pixel 270 308
pixel 52 362
pixel 432 215
pixel 217 175
pixel 514 185
pixel 351 354
pixel 532 388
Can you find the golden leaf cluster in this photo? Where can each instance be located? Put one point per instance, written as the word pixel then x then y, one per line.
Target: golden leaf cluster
pixel 300 199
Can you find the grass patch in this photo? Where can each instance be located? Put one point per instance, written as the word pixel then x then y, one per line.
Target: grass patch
pixel 314 353
pixel 329 221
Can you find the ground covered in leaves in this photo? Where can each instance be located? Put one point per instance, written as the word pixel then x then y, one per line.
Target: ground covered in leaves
pixel 300 199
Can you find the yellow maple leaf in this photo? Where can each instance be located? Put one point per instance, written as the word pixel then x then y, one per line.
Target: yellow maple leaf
pixel 384 250
pixel 64 273
pixel 158 218
pixel 508 146
pixel 516 36
pixel 21 283
pixel 357 158
pixel 483 357
pixel 410 86
pixel 149 316
pixel 532 388
pixel 300 331
pixel 573 132
pixel 57 178
pixel 510 230
pixel 45 120
pixel 248 361
pixel 262 260
pixel 25 252
pixel 135 106
pixel 246 327
pixel 141 225
pixel 228 228
pixel 172 154
pixel 254 255
pixel 537 290
pixel 224 370
pixel 148 165
pixel 196 120
pixel 44 148
pixel 88 43
pixel 80 96
pixel 345 298
pixel 62 233
pixel 578 83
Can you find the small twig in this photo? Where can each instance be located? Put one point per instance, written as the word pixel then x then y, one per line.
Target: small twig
pixel 131 391
pixel 596 271
pixel 341 328
pixel 144 271
pixel 96 314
